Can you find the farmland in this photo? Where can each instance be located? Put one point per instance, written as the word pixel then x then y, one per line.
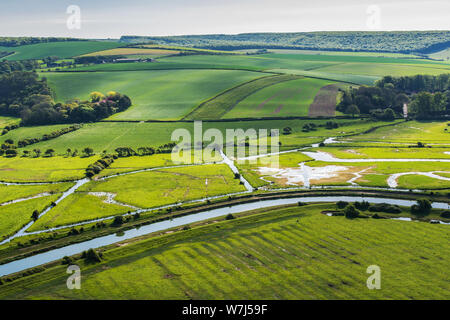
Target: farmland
pixel 156 95
pixel 283 253
pixel 117 174
pixel 60 49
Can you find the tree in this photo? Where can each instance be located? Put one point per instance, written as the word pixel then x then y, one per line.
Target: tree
pixel 96 96
pixel 389 114
pixel 352 109
pixel 88 151
pixel 49 152
pixel 35 215
pixel 423 207
pixel 350 212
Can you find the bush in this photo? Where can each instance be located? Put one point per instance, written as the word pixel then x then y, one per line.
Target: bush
pixel 67 260
pixel 229 217
pixel 341 204
pixel 384 207
pixel 363 206
pixel 423 207
pixel 350 212
pixel 92 256
pixel 445 214
pixel 118 221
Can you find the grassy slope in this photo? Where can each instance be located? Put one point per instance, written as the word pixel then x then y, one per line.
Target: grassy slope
pixel 59 49
pixel 290 253
pixel 156 94
pixel 285 99
pixel 219 105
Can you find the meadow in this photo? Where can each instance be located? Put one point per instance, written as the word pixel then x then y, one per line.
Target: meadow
pixel 410 132
pixel 163 95
pixel 76 208
pixel 61 50
pixel 131 52
pixel 7 121
pixel 173 185
pixel 15 216
pixel 43 169
pixel 14 192
pixel 278 253
pixel 218 106
pixel 292 98
pixel 111 135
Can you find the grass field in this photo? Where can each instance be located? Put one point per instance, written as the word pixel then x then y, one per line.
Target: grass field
pixel 409 132
pixel 168 94
pixel 43 169
pixel 422 182
pixel 62 50
pixel 7 121
pixel 31 132
pixel 221 104
pixel 441 55
pixel 131 52
pixel 291 98
pixel 78 207
pixel 286 253
pixel 110 135
pixel 387 153
pixel 14 192
pixel 173 185
pixel 15 216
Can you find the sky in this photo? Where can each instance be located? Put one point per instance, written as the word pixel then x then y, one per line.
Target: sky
pixel 114 18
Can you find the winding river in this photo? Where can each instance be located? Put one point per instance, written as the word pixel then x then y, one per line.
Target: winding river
pixel 52 255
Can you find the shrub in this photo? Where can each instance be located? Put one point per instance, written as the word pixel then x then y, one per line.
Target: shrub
pixel 384 207
pixel 363 206
pixel 445 214
pixel 423 207
pixel 92 256
pixel 118 220
pixel 66 260
pixel 341 204
pixel 350 212
pixel 229 217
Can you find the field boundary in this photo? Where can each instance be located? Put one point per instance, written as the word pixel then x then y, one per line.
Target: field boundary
pixel 295 77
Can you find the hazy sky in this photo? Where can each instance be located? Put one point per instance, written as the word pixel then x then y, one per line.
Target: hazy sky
pixel 113 18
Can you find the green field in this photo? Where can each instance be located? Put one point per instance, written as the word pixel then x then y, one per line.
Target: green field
pixel 76 208
pixel 219 105
pixel 61 50
pixel 7 121
pixel 110 135
pixel 168 94
pixel 286 253
pixel 43 169
pixel 174 185
pixel 15 216
pixel 285 99
pixel 14 192
pixel 409 132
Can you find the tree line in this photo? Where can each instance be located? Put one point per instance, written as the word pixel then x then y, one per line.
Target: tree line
pixel 396 41
pixel 427 97
pixel 24 95
pixel 21 41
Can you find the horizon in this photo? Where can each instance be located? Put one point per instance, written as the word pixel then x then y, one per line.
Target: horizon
pixel 111 19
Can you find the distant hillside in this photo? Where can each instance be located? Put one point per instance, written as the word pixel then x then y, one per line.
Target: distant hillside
pixel 21 41
pixel 398 41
